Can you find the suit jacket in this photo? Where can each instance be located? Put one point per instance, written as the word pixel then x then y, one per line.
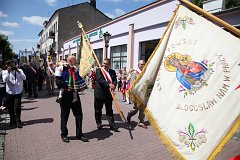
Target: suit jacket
pixel 31 74
pixel 101 90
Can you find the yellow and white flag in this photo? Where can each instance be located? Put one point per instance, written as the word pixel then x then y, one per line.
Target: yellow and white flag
pixel 86 57
pixel 188 88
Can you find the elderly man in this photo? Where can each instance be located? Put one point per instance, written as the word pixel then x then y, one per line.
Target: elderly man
pixel 135 109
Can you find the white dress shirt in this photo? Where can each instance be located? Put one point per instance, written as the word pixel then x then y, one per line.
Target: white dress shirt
pixel 14 81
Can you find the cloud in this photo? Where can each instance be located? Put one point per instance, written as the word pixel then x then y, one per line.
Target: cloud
pixel 51 2
pixel 24 40
pixel 10 24
pixel 35 20
pixel 6 33
pixel 3 14
pixel 116 13
pixel 110 15
pixel 21 44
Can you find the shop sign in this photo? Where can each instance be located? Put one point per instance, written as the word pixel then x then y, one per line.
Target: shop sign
pixel 93 34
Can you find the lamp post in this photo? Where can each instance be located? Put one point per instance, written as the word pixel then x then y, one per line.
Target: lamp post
pixel 106 37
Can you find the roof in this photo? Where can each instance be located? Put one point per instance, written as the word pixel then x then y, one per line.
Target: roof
pixel 58 10
pixel 153 4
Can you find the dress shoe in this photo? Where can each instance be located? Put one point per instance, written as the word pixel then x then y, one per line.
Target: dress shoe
pixel 99 126
pixel 58 100
pixel 82 138
pixel 13 124
pixel 114 128
pixel 65 139
pixel 142 125
pixel 128 119
pixel 19 124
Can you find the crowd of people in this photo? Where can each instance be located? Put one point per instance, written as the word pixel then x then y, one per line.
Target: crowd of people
pixel 28 79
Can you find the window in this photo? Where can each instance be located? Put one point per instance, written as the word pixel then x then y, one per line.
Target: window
pixel 118 56
pixel 146 49
pixel 99 54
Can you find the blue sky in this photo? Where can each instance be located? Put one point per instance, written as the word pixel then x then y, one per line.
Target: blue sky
pixel 21 20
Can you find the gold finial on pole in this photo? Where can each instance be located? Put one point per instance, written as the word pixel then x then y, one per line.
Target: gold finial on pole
pixel 79 24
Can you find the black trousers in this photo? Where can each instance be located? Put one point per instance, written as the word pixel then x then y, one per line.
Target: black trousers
pixel 98 106
pixel 32 88
pixel 3 96
pixel 66 105
pixel 14 107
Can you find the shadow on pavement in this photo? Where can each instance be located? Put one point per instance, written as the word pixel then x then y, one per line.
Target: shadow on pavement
pixel 28 102
pixel 27 109
pixel 99 134
pixel 35 121
pixel 31 122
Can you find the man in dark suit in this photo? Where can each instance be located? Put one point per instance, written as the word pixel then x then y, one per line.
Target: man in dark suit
pixel 32 80
pixel 102 94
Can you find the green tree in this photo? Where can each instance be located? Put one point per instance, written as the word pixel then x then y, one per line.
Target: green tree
pixel 198 3
pixel 6 48
pixel 232 3
pixel 229 3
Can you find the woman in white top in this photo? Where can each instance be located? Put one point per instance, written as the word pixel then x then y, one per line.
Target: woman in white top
pixel 13 77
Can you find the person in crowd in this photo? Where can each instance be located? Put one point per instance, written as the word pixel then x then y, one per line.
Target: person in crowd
pixel 25 83
pixel 2 88
pixel 13 77
pixel 41 77
pixel 128 101
pixel 123 88
pixel 58 73
pixel 50 78
pixel 119 79
pixel 32 75
pixel 93 78
pixel 67 102
pixel 135 109
pixel 104 82
pixel 124 71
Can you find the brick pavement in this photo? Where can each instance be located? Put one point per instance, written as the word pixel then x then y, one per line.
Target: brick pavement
pixel 39 139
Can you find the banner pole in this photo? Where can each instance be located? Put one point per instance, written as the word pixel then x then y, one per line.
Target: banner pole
pixel 114 100
pixel 224 24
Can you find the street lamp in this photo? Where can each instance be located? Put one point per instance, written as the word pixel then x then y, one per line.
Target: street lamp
pixel 106 37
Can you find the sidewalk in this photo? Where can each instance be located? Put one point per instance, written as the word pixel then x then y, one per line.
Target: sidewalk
pixel 39 139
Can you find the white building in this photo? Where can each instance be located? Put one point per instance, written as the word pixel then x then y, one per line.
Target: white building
pixel 134 35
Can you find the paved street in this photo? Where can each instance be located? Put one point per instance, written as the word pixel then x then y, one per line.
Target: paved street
pixel 39 139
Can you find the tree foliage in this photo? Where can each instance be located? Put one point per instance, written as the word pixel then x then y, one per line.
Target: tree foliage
pixel 232 3
pixel 229 3
pixel 6 48
pixel 198 3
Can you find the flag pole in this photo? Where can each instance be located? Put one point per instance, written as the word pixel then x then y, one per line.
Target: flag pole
pixel 224 24
pixel 114 100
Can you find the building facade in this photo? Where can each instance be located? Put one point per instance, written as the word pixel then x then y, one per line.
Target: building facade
pixel 135 35
pixel 63 25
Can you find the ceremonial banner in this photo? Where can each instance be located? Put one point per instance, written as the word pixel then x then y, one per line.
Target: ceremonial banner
pixel 189 87
pixel 86 60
